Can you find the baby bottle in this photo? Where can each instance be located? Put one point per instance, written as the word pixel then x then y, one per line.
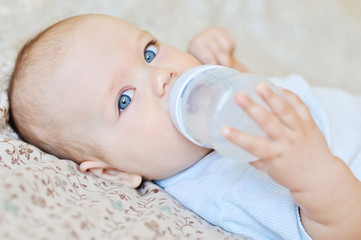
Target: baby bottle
pixel 202 102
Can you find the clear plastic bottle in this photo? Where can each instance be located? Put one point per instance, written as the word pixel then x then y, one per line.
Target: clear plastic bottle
pixel 202 102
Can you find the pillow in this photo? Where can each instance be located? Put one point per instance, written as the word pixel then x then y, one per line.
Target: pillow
pixel 43 197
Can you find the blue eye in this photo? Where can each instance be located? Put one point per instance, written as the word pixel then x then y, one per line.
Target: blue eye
pixel 125 99
pixel 150 53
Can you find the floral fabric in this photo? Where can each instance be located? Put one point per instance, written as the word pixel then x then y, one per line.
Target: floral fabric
pixel 42 197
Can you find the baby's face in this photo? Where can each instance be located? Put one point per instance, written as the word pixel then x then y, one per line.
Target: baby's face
pixel 118 82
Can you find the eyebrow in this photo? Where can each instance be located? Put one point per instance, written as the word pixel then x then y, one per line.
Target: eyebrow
pixel 143 34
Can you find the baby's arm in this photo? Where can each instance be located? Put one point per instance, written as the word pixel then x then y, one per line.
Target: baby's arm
pixel 215 46
pixel 296 155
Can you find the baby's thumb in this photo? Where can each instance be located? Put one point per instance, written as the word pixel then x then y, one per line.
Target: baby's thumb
pixel 259 164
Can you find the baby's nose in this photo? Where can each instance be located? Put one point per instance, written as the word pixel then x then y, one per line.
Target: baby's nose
pixel 162 77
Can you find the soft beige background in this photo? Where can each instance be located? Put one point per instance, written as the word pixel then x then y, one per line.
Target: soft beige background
pixel 317 39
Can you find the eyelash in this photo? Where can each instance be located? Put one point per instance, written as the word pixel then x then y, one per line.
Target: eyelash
pixel 151 42
pixel 150 54
pixel 129 92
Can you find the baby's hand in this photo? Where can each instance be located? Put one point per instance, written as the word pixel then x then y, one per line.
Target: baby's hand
pixel 295 151
pixel 213 46
pixel 296 155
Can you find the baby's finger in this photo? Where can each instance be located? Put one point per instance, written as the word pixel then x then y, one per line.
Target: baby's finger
pixel 298 105
pixel 257 146
pixel 204 55
pixel 226 40
pixel 279 106
pixel 222 56
pixel 208 57
pixel 260 164
pixel 265 119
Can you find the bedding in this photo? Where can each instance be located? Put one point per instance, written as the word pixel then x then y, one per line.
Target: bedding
pixel 46 198
pixel 42 197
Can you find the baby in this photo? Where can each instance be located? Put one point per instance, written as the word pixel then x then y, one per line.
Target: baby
pixel 95 89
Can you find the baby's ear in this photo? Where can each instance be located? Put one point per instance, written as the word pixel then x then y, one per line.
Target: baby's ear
pixel 104 171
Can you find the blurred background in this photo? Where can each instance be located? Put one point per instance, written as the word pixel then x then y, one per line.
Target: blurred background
pixel 319 40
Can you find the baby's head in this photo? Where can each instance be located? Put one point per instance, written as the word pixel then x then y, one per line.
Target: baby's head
pixel 95 89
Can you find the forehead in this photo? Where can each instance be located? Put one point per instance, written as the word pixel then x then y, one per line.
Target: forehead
pixel 103 41
pixel 101 47
pixel 93 59
pixel 105 28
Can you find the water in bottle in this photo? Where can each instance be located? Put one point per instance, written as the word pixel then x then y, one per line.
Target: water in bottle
pixel 202 102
